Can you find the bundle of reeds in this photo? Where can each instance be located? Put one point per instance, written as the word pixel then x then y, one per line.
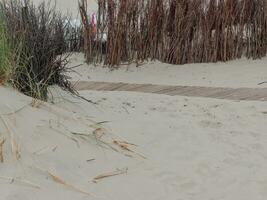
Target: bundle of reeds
pixel 37 39
pixel 178 31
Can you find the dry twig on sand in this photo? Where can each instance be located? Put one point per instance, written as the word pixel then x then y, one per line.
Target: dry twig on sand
pixel 45 149
pixel 14 144
pixel 125 146
pixel 2 141
pixel 60 181
pixel 36 103
pixel 110 174
pixel 20 180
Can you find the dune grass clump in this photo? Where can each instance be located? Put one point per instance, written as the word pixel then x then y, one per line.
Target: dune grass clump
pixel 4 52
pixel 37 40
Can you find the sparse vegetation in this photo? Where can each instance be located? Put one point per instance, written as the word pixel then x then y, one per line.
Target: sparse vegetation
pixel 38 46
pixel 4 52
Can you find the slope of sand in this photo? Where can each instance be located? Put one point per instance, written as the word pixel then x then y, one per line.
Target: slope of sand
pixel 233 74
pixel 195 148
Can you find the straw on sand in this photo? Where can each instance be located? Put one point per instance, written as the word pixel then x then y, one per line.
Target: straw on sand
pixel 110 174
pixel 21 181
pixel 61 181
pixel 2 141
pixel 13 142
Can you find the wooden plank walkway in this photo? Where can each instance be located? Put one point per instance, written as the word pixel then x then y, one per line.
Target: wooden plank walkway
pixel 247 94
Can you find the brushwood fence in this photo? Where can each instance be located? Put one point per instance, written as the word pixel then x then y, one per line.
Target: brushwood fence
pixel 175 31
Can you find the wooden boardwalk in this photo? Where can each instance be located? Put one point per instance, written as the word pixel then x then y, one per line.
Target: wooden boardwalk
pixel 247 94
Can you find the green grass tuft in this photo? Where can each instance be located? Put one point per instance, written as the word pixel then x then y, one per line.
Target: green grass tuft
pixel 4 53
pixel 38 55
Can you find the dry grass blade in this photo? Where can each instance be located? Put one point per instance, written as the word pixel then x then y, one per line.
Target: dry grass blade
pixel 66 135
pixel 99 132
pixel 15 148
pixel 14 144
pixel 20 180
pixel 125 143
pixel 36 103
pixel 90 160
pixel 110 174
pixel 59 180
pixel 44 150
pixel 125 146
pixel 2 141
pixel 16 111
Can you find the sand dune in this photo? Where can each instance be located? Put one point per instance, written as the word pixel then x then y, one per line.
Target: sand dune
pixel 187 148
pixel 233 74
pixel 158 147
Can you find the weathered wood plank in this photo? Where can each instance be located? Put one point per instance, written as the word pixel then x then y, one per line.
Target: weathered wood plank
pixel 248 94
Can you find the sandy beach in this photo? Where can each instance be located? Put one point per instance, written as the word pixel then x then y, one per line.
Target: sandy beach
pixel 137 146
pixel 241 73
pixel 186 148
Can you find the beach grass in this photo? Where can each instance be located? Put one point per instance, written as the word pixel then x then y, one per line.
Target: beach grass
pixel 37 45
pixel 4 52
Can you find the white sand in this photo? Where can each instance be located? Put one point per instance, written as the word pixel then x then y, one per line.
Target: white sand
pixel 196 148
pixel 233 74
